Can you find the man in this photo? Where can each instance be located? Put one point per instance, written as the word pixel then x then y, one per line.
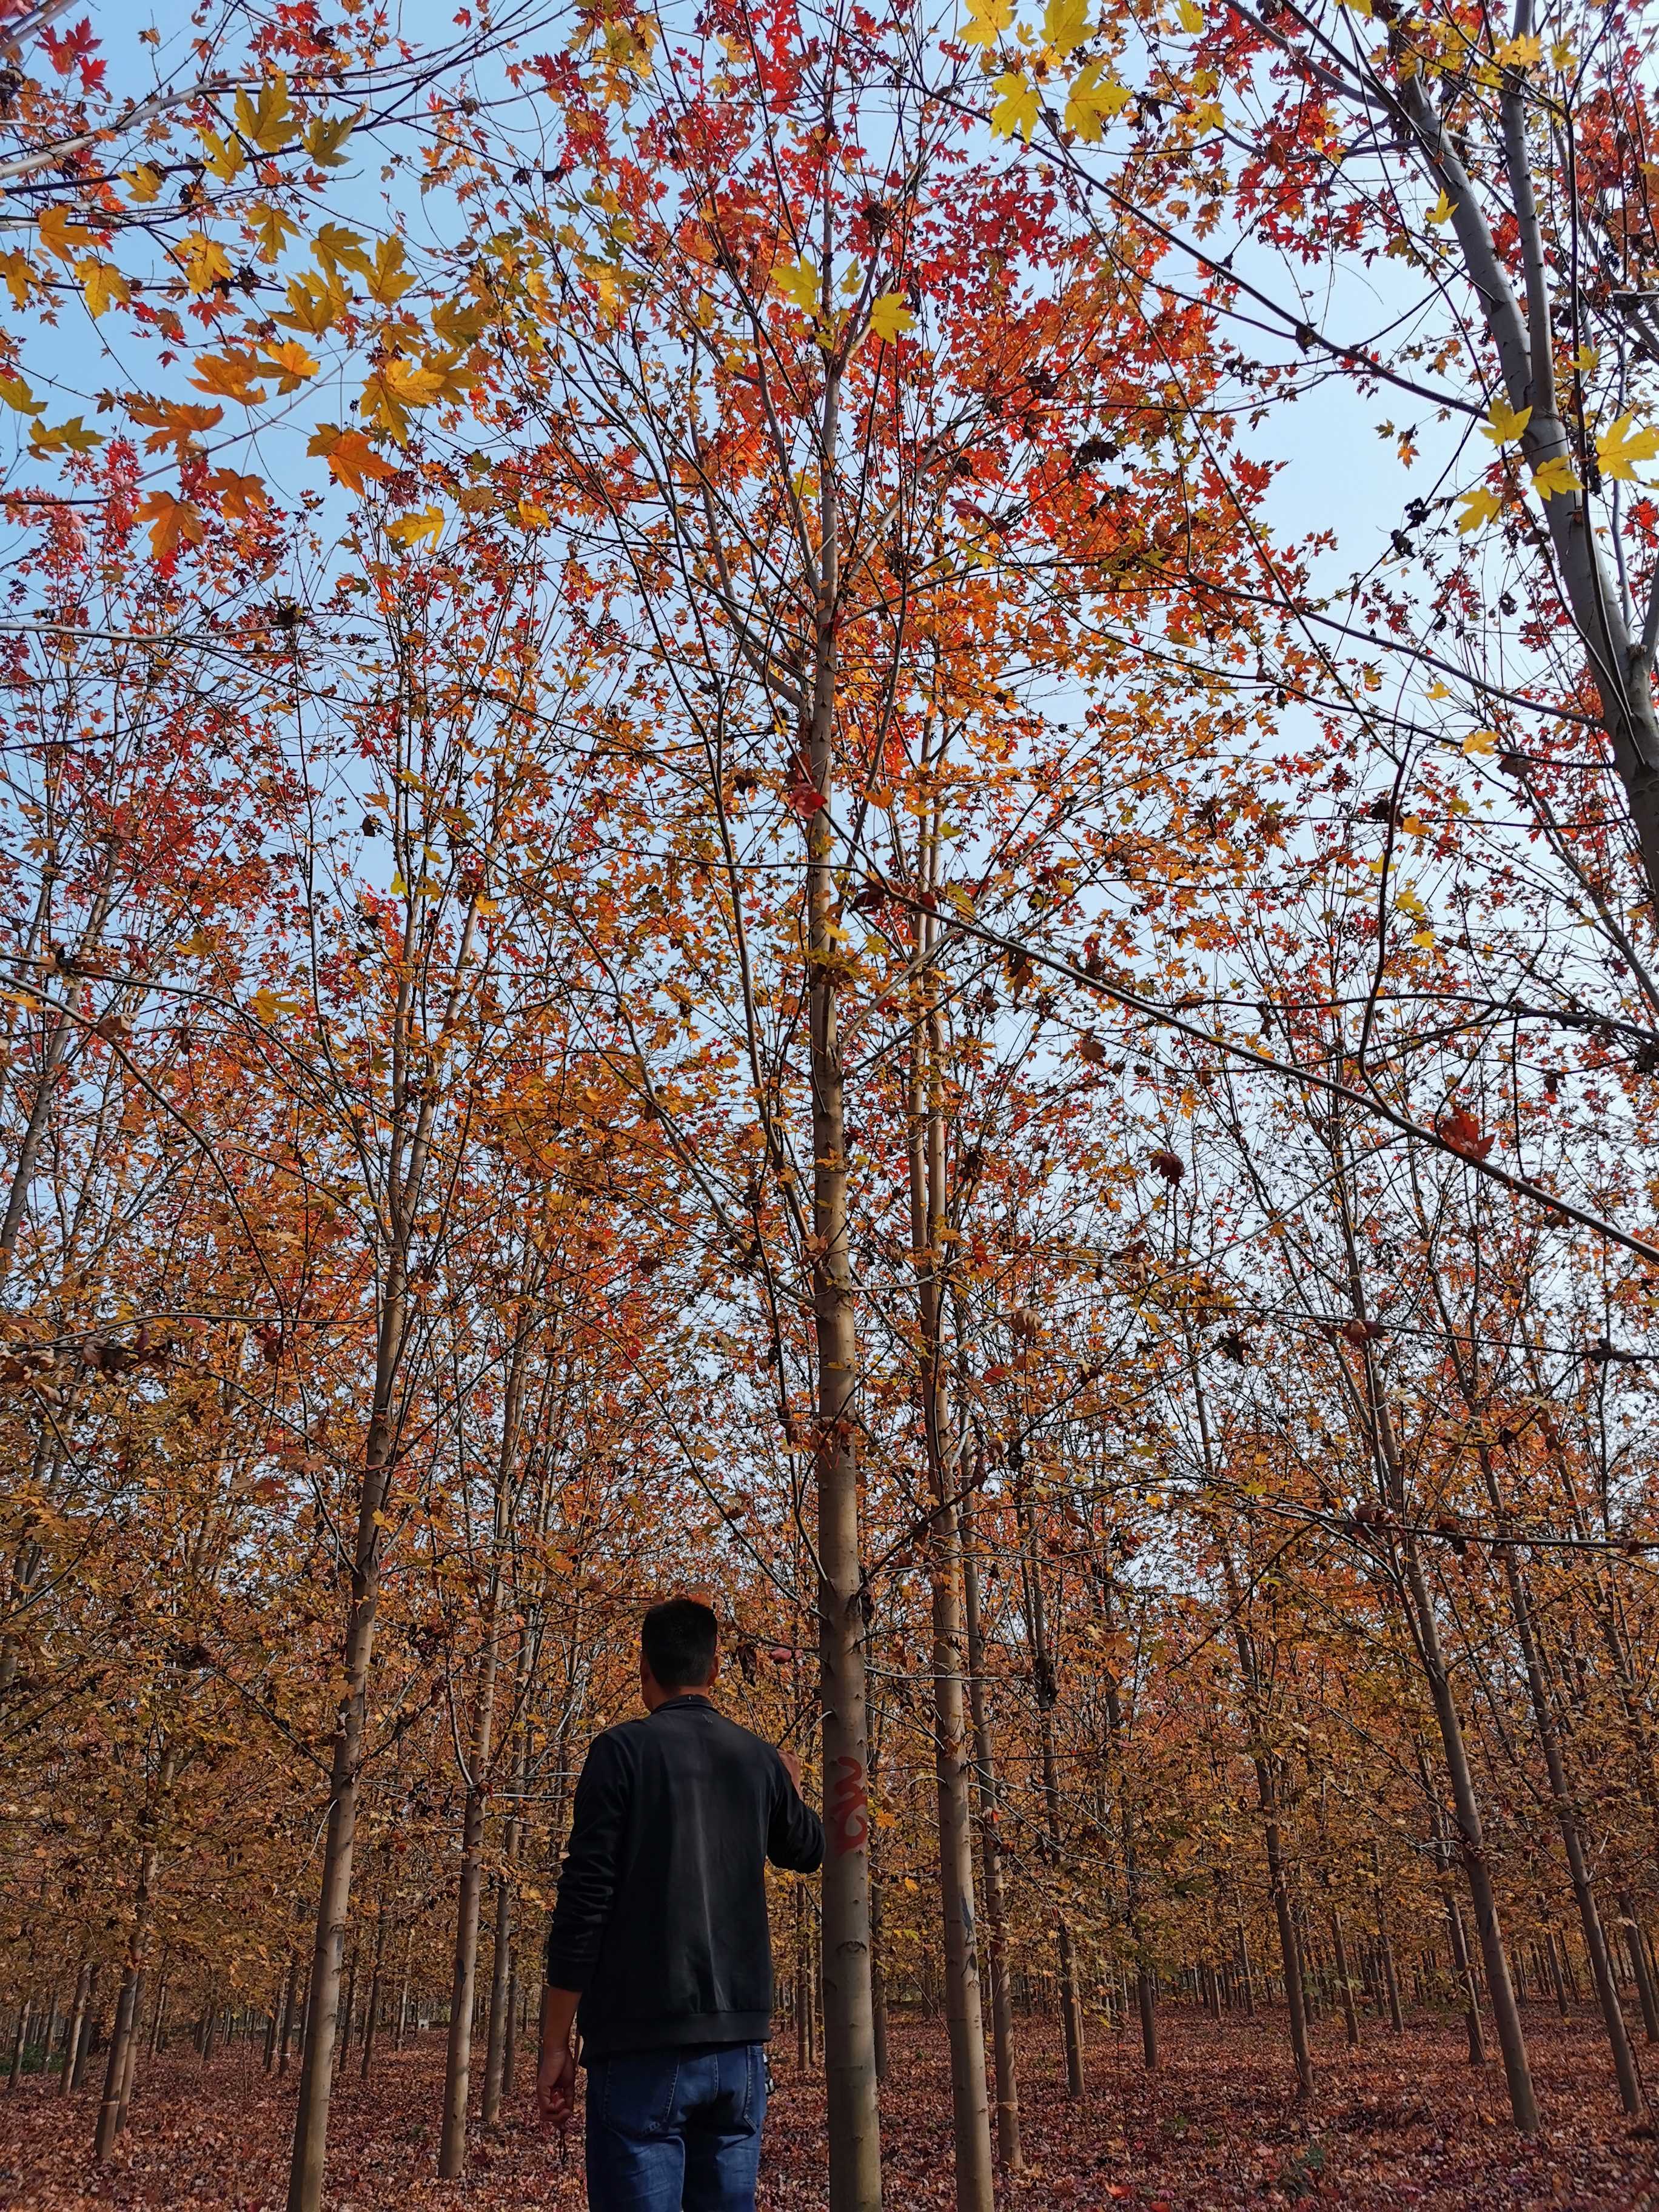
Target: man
pixel 659 1944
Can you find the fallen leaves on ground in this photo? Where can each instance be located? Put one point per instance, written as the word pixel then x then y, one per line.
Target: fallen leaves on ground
pixel 1406 2123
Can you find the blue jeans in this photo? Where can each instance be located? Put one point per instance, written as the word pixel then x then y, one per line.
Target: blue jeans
pixel 675 2131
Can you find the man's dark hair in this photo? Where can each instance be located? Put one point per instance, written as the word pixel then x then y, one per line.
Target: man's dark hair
pixel 679 1640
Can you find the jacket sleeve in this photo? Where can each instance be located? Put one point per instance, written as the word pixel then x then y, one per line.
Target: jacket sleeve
pixel 588 1882
pixel 795 1837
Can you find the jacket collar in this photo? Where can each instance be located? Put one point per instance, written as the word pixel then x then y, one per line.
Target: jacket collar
pixel 676 1704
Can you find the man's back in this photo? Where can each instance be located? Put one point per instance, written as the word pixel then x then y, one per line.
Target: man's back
pixel 661 1919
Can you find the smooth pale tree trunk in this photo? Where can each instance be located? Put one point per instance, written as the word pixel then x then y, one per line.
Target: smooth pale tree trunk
pixel 1345 1978
pixel 501 1985
pixel 1641 1974
pixel 88 2029
pixel 372 2014
pixel 1385 1945
pixel 1459 1945
pixel 1411 1588
pixel 1471 1838
pixel 1146 1982
pixel 848 2017
pixel 82 1998
pixel 409 1156
pixel 130 2065
pixel 1037 1613
pixel 458 2069
pixel 990 1853
pixel 970 2117
pixel 1521 328
pixel 1266 1763
pixel 1562 1800
pixel 125 2025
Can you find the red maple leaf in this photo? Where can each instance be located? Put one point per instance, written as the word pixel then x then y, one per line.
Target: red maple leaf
pixel 74 48
pixel 1462 1132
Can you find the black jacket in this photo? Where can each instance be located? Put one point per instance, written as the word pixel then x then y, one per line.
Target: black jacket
pixel 660 1922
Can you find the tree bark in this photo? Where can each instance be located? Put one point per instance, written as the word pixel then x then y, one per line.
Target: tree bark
pixel 849 2026
pixel 970 2117
pixel 372 2014
pixel 1036 1615
pixel 1009 2154
pixel 126 2007
pixel 72 2033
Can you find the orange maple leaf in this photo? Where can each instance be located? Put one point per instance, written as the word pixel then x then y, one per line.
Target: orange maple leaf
pixel 172 522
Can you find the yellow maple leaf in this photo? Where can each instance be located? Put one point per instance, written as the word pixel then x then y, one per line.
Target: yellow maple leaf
pixel 1018 107
pixel 18 273
pixel 534 516
pixel 143 183
pixel 987 21
pixel 324 134
pixel 385 278
pixel 1065 25
pixel 204 262
pixel 172 522
pixel 230 376
pixel 1620 446
pixel 1479 743
pixel 289 363
pixel 1094 94
pixel 1437 690
pixel 225 159
pixel 1586 360
pixel 1480 505
pixel 335 247
pixel 889 317
pixel 271 123
pixel 1518 53
pixel 313 306
pixel 800 282
pixel 61 236
pixel 1192 16
pixel 15 391
pixel 393 390
pixel 1503 423
pixel 271 228
pixel 410 529
pixel 1554 479
pixel 1443 208
pixel 104 285
pixel 70 437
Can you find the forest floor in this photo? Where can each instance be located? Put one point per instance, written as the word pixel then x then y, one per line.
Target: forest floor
pixel 1404 2123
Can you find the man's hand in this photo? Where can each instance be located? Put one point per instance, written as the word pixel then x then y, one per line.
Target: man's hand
pixel 555 2074
pixel 790 1767
pixel 556 2085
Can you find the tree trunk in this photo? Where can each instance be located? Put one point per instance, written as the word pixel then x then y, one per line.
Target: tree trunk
pixel 849 2026
pixel 1385 1945
pixel 126 2007
pixel 130 2068
pixel 501 1983
pixel 305 2189
pixel 990 1852
pixel 1036 1621
pixel 1350 2011
pixel 1640 1972
pixel 965 2027
pixel 88 2024
pixel 84 1982
pixel 372 2014
pixel 1460 1947
pixel 1412 1587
